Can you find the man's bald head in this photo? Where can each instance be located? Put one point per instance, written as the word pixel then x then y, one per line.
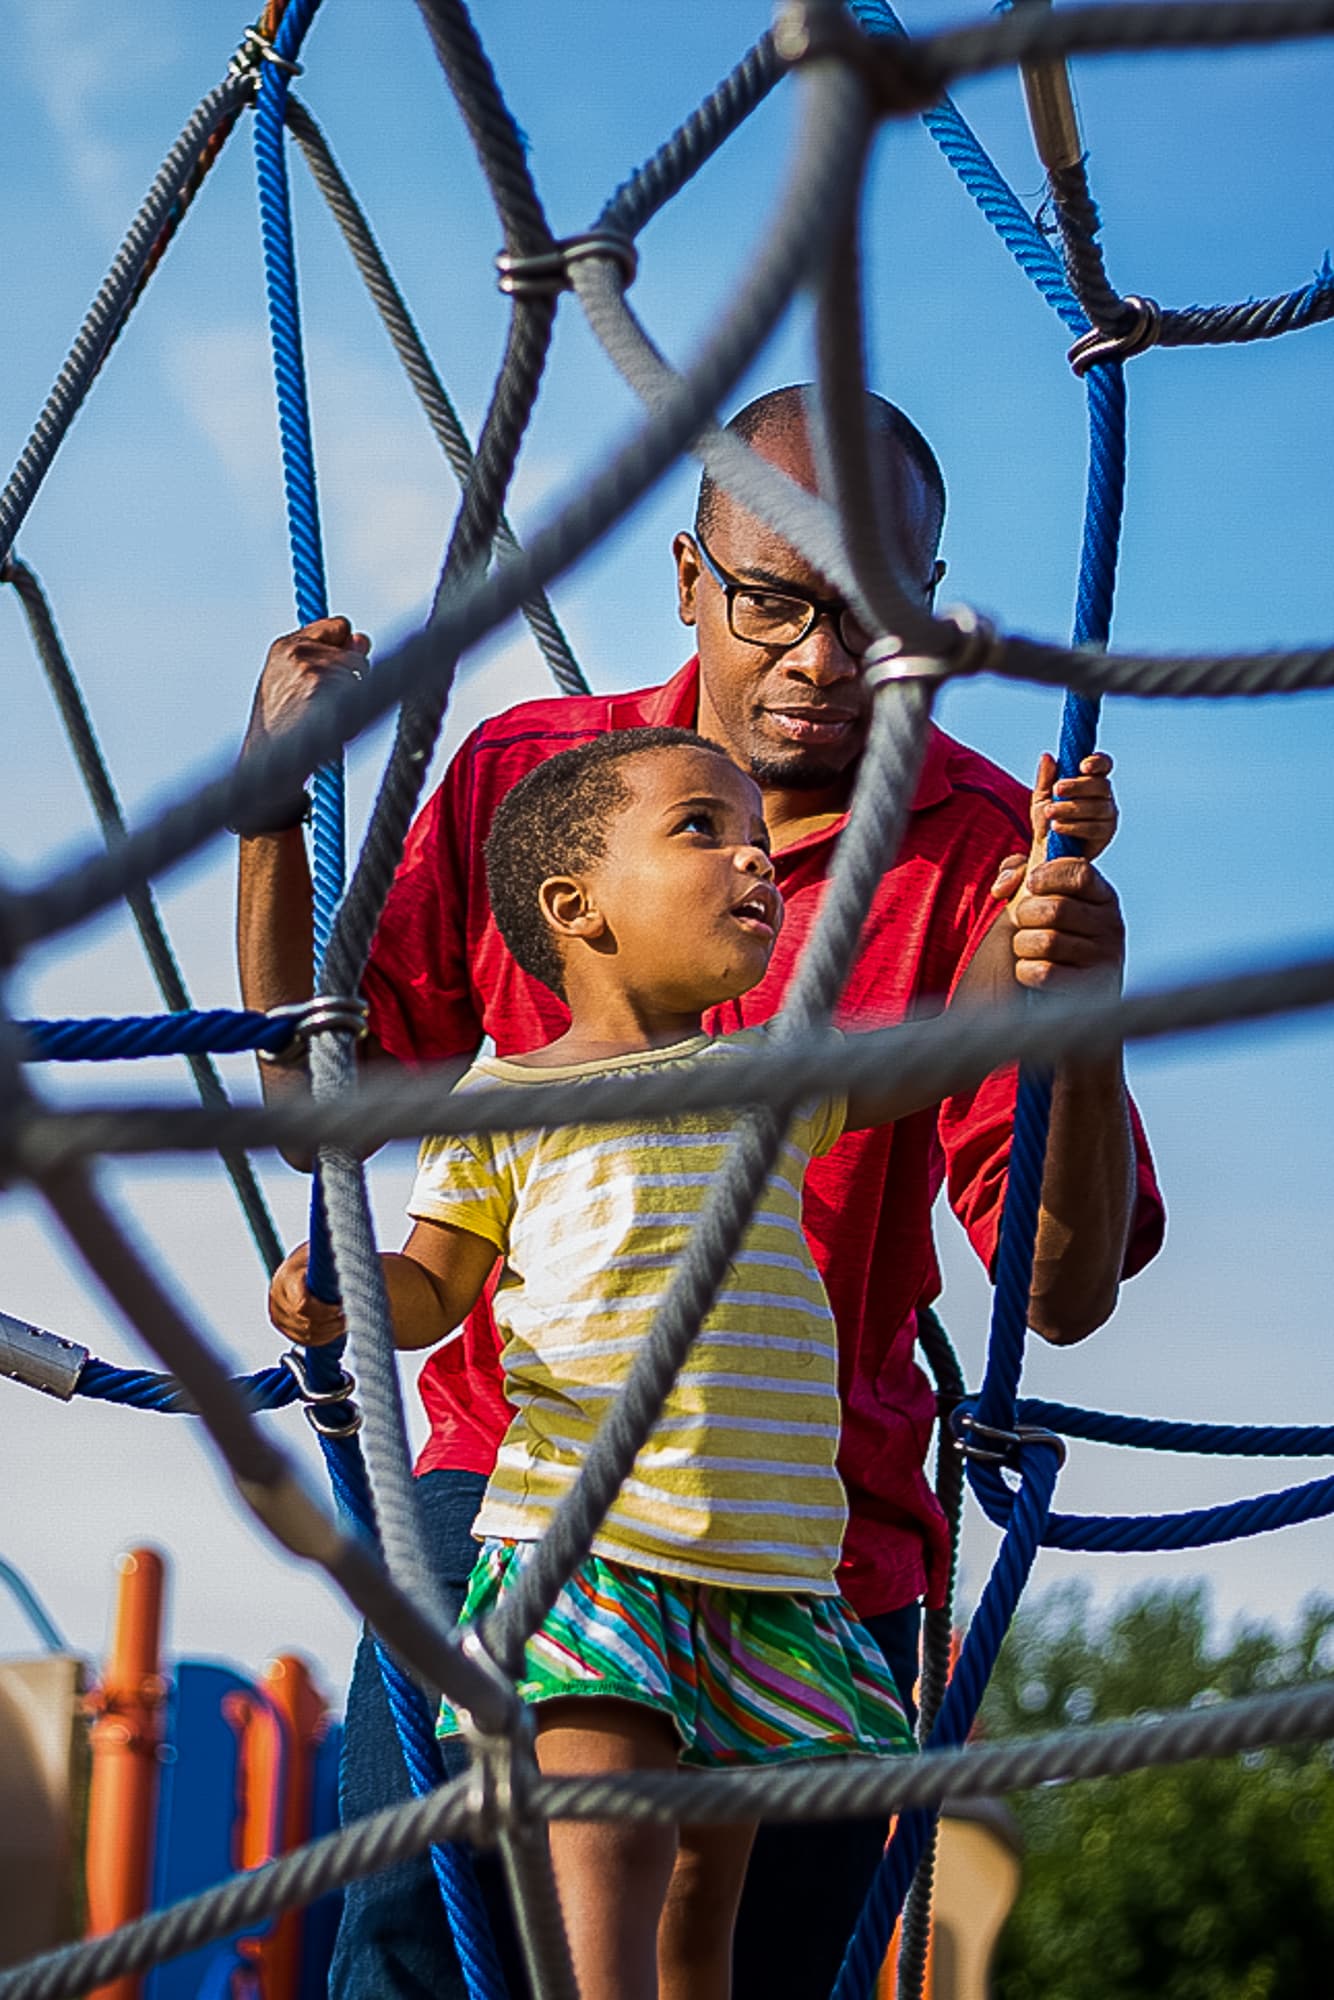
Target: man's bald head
pixel 782 417
pixel 794 711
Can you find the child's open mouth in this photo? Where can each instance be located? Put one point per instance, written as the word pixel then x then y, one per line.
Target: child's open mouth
pixel 761 911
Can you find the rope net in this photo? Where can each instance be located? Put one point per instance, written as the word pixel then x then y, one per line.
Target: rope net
pixel 854 69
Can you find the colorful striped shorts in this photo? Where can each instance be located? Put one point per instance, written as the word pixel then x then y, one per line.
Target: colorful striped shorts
pixel 746 1676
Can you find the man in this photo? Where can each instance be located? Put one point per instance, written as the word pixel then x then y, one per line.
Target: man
pixel 777 681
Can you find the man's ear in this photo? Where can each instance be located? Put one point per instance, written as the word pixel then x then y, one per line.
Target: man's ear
pixel 569 909
pixel 687 577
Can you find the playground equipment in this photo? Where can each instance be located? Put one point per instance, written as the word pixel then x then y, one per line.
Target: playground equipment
pixel 854 68
pixel 124 1790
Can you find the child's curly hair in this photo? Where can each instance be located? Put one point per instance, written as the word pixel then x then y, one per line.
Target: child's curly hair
pixel 554 822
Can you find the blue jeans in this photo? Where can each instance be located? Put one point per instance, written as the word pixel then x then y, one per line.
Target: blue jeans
pixel 393 1940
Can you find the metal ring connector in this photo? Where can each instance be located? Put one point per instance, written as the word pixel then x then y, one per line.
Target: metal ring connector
pixel 885 659
pixel 501 1759
pixel 1097 346
pixel 255 50
pixel 548 272
pixel 987 1444
pixel 323 1014
pixel 326 1425
pixel 321 1405
pixel 811 33
pixel 297 1365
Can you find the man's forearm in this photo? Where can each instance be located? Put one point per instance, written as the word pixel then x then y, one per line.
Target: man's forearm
pixel 1088 1198
pixel 275 941
pixel 274 920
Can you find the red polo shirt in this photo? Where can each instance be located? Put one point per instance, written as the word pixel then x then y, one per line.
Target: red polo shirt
pixel 440 979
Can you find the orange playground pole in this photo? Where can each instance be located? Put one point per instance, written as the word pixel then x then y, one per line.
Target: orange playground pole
pixel 126 1734
pixel 278 1758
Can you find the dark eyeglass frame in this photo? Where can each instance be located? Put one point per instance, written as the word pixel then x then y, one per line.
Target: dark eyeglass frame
pixel 835 609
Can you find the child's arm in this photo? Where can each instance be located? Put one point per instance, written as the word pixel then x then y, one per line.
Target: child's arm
pixel 433 1284
pixel 1062 924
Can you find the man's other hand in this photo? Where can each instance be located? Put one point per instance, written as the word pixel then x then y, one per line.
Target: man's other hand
pixel 295 1310
pixel 1064 917
pixel 299 667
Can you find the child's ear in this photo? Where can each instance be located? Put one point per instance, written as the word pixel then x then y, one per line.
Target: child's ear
pixel 569 909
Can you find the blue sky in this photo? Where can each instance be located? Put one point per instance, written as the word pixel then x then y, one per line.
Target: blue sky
pixel 160 537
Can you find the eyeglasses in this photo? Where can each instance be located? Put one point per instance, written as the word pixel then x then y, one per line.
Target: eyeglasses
pixel 761 616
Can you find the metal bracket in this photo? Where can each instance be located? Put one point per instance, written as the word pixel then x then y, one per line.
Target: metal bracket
pixel 987 1444
pixel 548 271
pixel 323 1014
pixel 1097 346
pixel 40 1360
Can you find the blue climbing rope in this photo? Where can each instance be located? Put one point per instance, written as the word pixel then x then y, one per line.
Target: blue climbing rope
pixel 990 1622
pixel 1103 510
pixel 1026 1515
pixel 1142 1534
pixel 1173 1434
pixel 106 1038
pixel 413 1723
pixel 144 1389
pixel 329 832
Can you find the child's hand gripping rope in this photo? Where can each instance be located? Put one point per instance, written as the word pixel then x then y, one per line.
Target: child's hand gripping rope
pixel 295 1310
pixel 433 1283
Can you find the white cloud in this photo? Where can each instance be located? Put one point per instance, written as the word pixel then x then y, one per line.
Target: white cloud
pixel 223 380
pixel 80 55
pixel 387 497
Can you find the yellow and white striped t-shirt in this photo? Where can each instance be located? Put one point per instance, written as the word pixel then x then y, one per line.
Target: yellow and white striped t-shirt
pixel 737 1484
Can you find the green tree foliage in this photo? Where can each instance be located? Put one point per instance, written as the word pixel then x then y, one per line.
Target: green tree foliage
pixel 1207 1881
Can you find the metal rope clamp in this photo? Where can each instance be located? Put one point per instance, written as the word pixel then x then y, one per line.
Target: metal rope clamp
pixel 548 271
pixel 502 1762
pixel 321 1404
pixel 256 49
pixel 885 660
pixel 988 1444
pixel 324 1014
pixel 1097 345
pixel 38 1359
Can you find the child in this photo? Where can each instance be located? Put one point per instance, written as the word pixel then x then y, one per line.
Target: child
pixel 632 875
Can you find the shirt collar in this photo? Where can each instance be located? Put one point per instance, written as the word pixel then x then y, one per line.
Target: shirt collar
pixel 676 705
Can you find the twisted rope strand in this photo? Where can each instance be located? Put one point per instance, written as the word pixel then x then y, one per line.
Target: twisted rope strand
pixel 107 311
pixel 1010 1572
pixel 98 784
pixel 467 606
pixel 679 158
pixel 840 1788
pixel 931 1059
pixel 816 185
pixel 417 365
pixel 937 1640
